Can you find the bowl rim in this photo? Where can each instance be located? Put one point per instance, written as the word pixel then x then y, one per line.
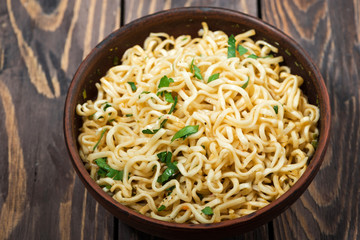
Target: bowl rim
pixel 276 207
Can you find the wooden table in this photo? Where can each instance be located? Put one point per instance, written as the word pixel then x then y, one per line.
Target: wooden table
pixel 43 42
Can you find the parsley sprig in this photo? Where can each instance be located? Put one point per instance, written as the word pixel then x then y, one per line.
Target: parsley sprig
pixel 276 109
pixel 245 84
pixel 208 211
pixel 101 136
pixel 132 85
pixel 164 82
pixel 213 77
pixel 171 170
pixel 106 171
pixel 195 70
pixel 231 47
pixel 185 132
pixel 241 50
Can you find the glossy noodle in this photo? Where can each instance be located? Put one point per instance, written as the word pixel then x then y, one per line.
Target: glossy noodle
pixel 188 130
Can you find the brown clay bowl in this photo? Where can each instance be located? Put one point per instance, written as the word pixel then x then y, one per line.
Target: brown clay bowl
pixel 188 21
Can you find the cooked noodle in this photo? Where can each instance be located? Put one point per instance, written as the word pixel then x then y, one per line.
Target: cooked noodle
pixel 256 129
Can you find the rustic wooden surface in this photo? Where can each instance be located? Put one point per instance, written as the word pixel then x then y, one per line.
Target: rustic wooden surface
pixel 43 42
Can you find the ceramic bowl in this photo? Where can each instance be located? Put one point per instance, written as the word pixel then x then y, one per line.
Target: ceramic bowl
pixel 188 21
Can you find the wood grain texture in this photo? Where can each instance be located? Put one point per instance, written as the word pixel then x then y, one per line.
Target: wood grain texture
pixel 137 8
pixel 41 45
pixel 330 32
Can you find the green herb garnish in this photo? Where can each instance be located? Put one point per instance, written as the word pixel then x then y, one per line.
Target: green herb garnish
pixel 101 136
pixel 168 97
pixel 170 171
pixel 253 56
pixel 213 77
pixel 164 82
pixel 84 94
pixel 106 106
pixel 129 115
pixel 241 50
pixel 149 131
pixel 173 106
pixel 185 132
pixel 133 87
pixel 165 157
pixel 106 170
pixel 276 109
pixel 314 143
pixel 169 190
pixel 245 84
pixel 162 207
pixel 231 47
pixel 208 211
pixel 195 70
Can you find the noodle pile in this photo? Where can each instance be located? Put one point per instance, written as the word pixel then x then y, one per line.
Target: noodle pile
pixel 249 129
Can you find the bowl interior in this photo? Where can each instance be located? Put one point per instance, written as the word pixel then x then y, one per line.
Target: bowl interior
pixel 179 22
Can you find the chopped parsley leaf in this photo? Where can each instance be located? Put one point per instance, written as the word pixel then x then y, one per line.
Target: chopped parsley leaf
pixel 195 70
pixel 208 211
pixel 106 106
pixel 172 109
pixel 253 56
pixel 276 109
pixel 101 136
pixel 170 171
pixel 245 84
pixel 231 47
pixel 314 143
pixel 168 97
pixel 169 190
pixel 148 131
pixel 241 50
pixel 185 132
pixel 133 87
pixel 164 82
pixel 129 115
pixel 162 207
pixel 106 170
pixel 165 157
pixel 213 77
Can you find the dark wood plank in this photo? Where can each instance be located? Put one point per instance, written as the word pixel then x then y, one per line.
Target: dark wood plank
pixel 138 8
pixel 329 31
pixel 41 45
